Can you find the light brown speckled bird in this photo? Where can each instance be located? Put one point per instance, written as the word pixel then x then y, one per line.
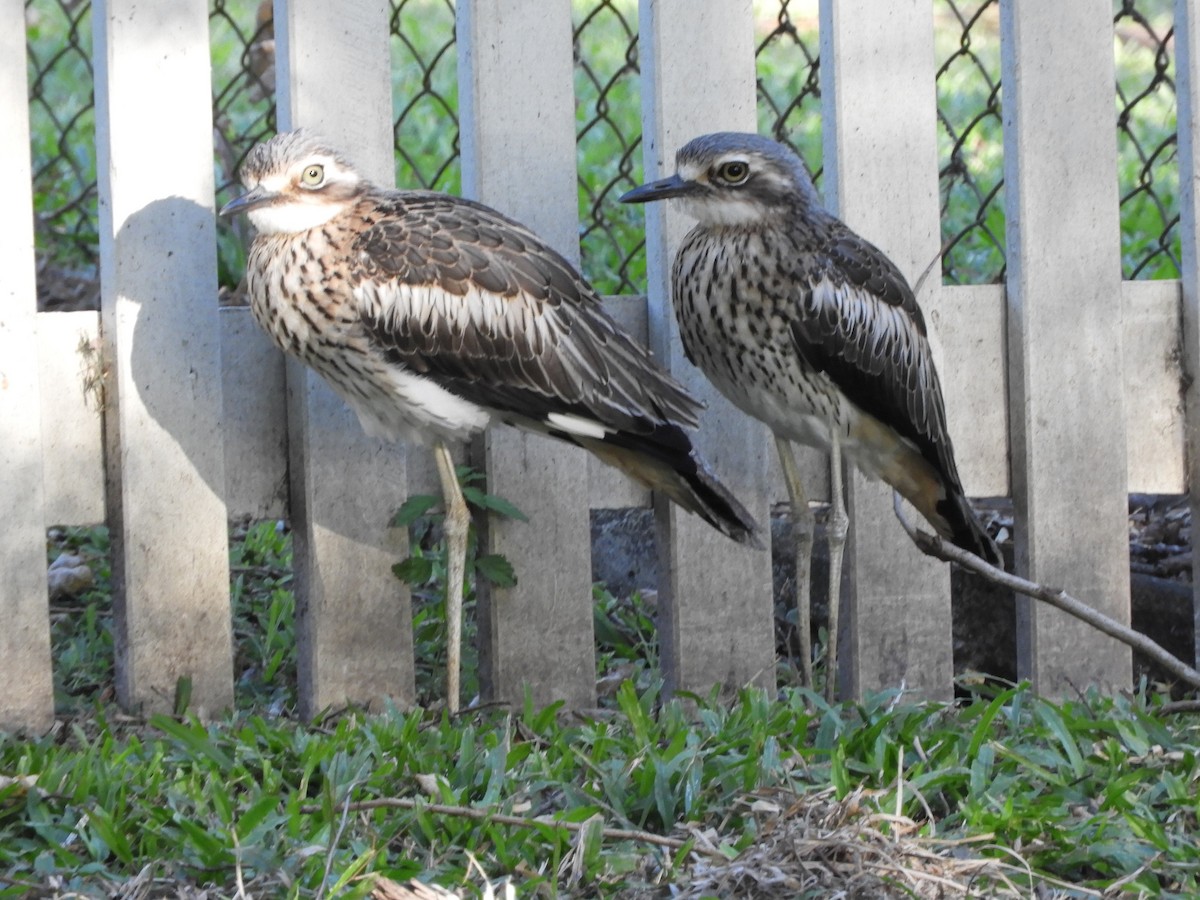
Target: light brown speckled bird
pixel 811 329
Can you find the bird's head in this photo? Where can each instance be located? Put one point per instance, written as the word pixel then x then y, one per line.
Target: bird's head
pixel 294 182
pixel 733 179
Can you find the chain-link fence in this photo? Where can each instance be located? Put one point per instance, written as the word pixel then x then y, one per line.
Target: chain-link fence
pixel 786 56
pixel 609 125
pixel 970 143
pixel 62 133
pixel 1146 138
pixel 243 42
pixel 609 132
pixel 425 95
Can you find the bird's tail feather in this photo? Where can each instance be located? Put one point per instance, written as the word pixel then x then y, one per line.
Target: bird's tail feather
pixel 960 526
pixel 684 477
pixel 939 498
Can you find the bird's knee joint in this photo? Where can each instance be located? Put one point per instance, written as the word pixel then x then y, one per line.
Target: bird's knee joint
pixel 804 521
pixel 837 527
pixel 457 523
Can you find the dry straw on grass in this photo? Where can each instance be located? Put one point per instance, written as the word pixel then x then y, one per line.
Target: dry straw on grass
pixel 814 845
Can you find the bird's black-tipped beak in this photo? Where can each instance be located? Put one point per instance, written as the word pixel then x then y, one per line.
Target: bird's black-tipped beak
pixel 663 189
pixel 252 199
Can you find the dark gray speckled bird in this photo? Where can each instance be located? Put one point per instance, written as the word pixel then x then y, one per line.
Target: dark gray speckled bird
pixel 808 327
pixel 433 316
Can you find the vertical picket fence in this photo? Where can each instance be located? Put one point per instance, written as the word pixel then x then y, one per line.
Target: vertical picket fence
pixel 1066 376
pixel 25 637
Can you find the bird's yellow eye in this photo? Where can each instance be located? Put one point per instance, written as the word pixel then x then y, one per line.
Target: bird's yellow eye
pixel 312 175
pixel 733 172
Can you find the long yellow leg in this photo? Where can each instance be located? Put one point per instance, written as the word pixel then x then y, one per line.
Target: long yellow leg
pixel 457 523
pixel 803 527
pixel 836 529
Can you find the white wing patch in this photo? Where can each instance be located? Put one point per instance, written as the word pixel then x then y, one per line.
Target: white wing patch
pixel 577 425
pixel 413 408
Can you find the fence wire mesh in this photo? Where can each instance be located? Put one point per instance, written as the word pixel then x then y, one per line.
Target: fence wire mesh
pixel 969 93
pixel 1146 138
pixel 787 60
pixel 62 126
pixel 970 142
pixel 609 134
pixel 425 95
pixel 243 42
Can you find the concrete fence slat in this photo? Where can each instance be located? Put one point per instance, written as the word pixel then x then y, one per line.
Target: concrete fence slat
pixel 1187 86
pixel 28 700
pixel 163 408
pixel 69 371
pixel 968 324
pixel 256 441
pixel 517 113
pixel 354 618
pixel 716 612
pixel 1065 358
pixel 1152 375
pixel 877 89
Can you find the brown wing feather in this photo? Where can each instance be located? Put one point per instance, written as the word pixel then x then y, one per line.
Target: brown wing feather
pixel 860 324
pixel 480 305
pixel 478 302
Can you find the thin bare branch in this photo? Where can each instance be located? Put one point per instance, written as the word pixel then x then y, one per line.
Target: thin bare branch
pixel 1177 707
pixel 933 545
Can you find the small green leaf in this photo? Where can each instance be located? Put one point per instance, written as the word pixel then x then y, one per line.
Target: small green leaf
pixel 192 735
pixel 983 729
pixel 838 775
pixel 627 700
pixel 1053 719
pixel 679 860
pixel 496 569
pixel 412 509
pixel 352 872
pixel 591 842
pixel 256 814
pixel 112 835
pixel 498 505
pixel 467 475
pixel 416 570
pixel 211 851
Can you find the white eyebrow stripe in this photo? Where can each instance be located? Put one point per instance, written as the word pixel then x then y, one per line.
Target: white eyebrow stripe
pixel 275 182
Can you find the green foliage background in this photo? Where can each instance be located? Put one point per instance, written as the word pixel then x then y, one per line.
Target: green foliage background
pixel 609 123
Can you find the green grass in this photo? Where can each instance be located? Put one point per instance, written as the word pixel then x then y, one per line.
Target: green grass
pixel 1090 791
pixel 81 626
pixel 264 609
